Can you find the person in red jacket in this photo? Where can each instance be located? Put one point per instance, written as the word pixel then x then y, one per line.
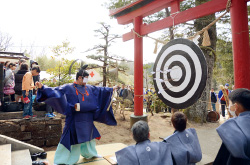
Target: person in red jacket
pixel 222 99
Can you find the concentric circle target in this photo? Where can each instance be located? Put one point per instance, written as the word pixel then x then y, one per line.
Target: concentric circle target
pixel 180 73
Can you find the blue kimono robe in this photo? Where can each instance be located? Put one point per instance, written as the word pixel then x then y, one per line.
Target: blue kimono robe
pixel 79 126
pixel 235 136
pixel 185 147
pixel 145 153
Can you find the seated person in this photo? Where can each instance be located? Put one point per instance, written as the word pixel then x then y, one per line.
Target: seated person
pixel 184 143
pixel 234 133
pixel 144 152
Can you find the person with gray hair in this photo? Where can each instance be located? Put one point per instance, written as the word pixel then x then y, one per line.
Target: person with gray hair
pixel 145 151
pixel 140 131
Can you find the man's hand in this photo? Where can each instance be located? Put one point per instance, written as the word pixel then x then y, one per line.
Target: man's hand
pixel 27 93
pixel 39 84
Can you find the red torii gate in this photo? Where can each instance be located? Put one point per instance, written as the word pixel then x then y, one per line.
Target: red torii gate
pixel 134 13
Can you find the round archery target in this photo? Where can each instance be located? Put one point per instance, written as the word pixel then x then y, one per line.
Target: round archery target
pixel 180 73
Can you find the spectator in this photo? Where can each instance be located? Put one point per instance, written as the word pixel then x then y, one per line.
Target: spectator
pixel 125 93
pixel 149 100
pixel 27 91
pixel 213 99
pixel 118 88
pixel 233 88
pixel 130 95
pixel 5 67
pixel 144 152
pixel 18 80
pixel 9 81
pixel 20 62
pixel 234 133
pixel 223 99
pixel 35 78
pixel 120 91
pixel 49 109
pixel 184 143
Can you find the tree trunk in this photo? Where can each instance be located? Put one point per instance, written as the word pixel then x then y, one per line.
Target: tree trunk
pixel 105 68
pixel 171 31
pixel 198 111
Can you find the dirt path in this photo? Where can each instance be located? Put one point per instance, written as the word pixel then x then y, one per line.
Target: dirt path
pixel 159 127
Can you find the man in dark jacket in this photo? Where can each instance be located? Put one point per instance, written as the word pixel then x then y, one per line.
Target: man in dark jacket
pixel 213 99
pixel 18 80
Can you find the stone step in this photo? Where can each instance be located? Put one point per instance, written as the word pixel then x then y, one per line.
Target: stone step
pixel 21 157
pixel 18 115
pixel 5 154
pixel 19 145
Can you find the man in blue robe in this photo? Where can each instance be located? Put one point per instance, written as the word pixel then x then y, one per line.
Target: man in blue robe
pixel 234 133
pixel 184 143
pixel 144 152
pixel 82 104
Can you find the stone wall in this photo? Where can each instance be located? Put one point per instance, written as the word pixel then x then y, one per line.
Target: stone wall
pixel 39 131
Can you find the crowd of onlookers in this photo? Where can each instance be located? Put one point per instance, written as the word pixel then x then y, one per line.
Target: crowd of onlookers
pixel 19 85
pixel 222 99
pixel 126 92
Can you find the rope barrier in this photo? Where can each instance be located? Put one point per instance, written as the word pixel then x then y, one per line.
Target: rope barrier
pixel 207 102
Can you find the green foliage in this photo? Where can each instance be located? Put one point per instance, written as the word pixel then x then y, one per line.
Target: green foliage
pixel 45 62
pixel 224 70
pixel 187 4
pixel 125 79
pixel 64 71
pixel 64 80
pixel 62 50
pixel 147 69
pixel 157 103
pixel 60 70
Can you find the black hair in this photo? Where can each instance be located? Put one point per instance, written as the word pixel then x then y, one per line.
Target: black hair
pixel 140 131
pixel 24 66
pixel 6 62
pixel 241 96
pixel 34 62
pixel 82 72
pixel 11 65
pixel 179 121
pixel 37 68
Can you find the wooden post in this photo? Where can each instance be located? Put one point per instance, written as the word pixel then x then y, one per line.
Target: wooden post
pixel 138 68
pixel 240 38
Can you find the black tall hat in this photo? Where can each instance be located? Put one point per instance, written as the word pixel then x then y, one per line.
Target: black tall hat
pixel 82 72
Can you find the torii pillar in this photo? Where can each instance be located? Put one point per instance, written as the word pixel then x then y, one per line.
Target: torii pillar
pixel 240 39
pixel 138 74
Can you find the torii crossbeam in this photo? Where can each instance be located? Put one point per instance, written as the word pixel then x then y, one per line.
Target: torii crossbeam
pixel 136 11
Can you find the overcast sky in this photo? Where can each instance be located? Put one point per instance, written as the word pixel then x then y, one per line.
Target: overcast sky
pixel 47 23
